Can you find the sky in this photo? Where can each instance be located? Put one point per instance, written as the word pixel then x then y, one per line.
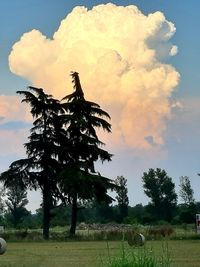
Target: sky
pixel 138 59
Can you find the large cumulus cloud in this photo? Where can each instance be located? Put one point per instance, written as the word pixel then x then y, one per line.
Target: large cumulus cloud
pixel 121 55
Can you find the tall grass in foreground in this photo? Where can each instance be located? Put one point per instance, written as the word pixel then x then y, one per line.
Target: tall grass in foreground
pixel 138 257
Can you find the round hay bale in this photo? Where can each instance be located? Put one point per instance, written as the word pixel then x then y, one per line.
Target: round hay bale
pixel 3 246
pixel 136 240
pixel 139 240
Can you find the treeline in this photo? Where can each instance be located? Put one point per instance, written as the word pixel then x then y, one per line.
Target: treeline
pixel 95 213
pixel 15 214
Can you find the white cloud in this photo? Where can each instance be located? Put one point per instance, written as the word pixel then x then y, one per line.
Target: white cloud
pixel 12 140
pixel 119 53
pixel 11 109
pixel 174 50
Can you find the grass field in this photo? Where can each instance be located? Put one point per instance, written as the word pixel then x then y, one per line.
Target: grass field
pixel 91 254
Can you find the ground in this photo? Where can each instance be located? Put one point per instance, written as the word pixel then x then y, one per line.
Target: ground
pixel 91 254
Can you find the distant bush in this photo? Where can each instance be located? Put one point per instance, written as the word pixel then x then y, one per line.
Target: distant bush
pixel 162 231
pixel 19 235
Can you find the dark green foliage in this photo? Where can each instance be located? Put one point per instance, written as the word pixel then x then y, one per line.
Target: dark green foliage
pixel 122 197
pixel 187 214
pixel 16 202
pixel 60 215
pixel 136 214
pixel 158 186
pixel 2 206
pixel 186 191
pixel 104 213
pixel 42 148
pixel 78 180
pixel 187 210
pixel 40 167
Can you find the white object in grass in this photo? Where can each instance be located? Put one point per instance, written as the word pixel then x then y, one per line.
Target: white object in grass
pixel 3 246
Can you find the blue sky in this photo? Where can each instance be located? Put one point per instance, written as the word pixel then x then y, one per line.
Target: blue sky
pixel 180 152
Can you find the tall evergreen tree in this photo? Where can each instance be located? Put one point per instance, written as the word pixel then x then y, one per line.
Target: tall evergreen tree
pixel 39 169
pixel 79 180
pixel 42 147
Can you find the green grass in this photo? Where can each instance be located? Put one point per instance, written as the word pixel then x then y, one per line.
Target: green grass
pixel 139 257
pixel 183 253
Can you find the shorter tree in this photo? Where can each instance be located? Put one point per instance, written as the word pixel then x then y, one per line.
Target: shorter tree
pixel 122 197
pixel 16 202
pixel 186 191
pixel 188 209
pixel 161 190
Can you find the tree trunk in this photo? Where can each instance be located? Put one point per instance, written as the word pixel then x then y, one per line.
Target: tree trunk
pixel 46 211
pixel 74 216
